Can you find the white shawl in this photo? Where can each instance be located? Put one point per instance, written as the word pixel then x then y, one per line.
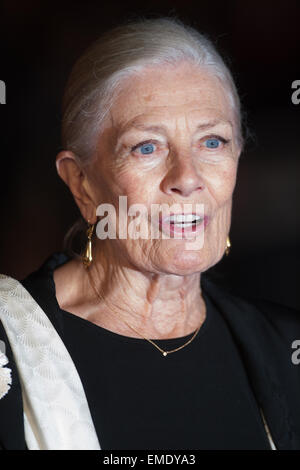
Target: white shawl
pixel 56 412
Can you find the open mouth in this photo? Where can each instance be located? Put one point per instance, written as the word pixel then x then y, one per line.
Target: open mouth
pixel 182 223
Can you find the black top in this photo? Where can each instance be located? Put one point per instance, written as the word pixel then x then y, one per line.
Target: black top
pixel 196 398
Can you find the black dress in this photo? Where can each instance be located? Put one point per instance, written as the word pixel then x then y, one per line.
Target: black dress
pixel 200 397
pixel 196 398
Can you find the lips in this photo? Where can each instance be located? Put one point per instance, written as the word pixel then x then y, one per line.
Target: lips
pixel 183 223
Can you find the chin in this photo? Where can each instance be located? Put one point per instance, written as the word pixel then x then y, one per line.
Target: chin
pixel 184 263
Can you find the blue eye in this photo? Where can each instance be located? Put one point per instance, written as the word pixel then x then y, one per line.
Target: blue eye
pixel 212 143
pixel 147 148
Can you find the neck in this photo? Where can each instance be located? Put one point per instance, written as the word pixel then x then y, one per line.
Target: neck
pixel 156 305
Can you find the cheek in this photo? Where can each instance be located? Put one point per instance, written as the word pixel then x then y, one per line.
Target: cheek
pixel 222 184
pixel 109 185
pixel 138 188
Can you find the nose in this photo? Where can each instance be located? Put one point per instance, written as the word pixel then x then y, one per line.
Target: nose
pixel 183 178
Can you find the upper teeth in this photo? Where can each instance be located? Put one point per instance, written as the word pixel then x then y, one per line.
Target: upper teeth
pixel 179 218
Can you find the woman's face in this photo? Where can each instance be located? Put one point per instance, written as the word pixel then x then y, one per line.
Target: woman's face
pixel 169 139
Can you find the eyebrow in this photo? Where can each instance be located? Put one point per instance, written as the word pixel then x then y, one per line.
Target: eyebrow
pixel 213 123
pixel 163 129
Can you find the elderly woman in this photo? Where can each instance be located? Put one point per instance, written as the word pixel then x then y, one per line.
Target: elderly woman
pixel 131 345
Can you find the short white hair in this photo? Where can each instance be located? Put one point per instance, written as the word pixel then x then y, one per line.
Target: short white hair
pixel 121 52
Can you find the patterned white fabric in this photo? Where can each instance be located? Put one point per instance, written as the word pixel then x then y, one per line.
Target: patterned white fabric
pixel 5 375
pixel 56 412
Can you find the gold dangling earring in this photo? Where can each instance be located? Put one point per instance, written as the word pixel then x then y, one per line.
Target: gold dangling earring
pixel 87 257
pixel 228 245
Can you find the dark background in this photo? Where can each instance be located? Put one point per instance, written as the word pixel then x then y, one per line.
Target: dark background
pixel 40 41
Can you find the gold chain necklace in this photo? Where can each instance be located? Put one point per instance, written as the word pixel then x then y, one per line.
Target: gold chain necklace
pixel 164 353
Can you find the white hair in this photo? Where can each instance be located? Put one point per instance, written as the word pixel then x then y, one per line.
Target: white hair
pixel 97 76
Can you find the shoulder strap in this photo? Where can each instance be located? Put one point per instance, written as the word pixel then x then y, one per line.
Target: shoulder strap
pixel 56 412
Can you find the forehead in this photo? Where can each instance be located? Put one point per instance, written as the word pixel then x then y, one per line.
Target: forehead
pixel 168 94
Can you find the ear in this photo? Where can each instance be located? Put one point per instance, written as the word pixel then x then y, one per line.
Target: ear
pixel 76 179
